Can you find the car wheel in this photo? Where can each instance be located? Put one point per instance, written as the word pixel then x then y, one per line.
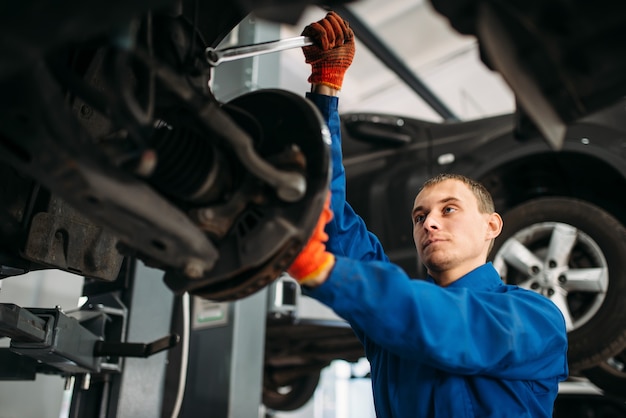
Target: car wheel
pixel 291 395
pixel 610 375
pixel 574 253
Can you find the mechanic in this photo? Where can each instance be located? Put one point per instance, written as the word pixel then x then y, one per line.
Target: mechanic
pixel 460 343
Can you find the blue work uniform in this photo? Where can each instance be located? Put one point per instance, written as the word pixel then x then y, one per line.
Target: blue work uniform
pixel 476 348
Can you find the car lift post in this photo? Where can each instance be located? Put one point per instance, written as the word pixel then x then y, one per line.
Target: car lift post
pixel 227 340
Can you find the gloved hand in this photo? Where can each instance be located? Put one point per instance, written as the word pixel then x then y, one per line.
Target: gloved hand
pixel 314 262
pixel 332 51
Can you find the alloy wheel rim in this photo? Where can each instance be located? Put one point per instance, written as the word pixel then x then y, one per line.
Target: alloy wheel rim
pixel 560 262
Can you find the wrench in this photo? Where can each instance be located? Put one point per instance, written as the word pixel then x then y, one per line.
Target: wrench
pixel 217 56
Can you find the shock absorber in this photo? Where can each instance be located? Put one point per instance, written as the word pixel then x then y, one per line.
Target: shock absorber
pixel 190 166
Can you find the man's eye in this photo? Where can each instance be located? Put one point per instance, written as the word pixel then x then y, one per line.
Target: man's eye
pixel 419 219
pixel 449 209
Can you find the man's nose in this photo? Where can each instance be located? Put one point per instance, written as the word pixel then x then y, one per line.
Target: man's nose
pixel 431 222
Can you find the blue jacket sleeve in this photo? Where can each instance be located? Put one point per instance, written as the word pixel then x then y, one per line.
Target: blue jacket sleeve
pixel 348 234
pixel 504 331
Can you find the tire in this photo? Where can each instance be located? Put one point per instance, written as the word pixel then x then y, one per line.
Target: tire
pixel 585 273
pixel 290 396
pixel 610 375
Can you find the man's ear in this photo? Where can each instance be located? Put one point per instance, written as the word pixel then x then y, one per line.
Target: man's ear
pixel 494 226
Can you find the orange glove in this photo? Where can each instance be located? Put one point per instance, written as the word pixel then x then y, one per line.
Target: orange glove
pixel 314 261
pixel 332 51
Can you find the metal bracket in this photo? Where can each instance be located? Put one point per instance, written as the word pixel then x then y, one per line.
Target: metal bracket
pixel 20 324
pixel 63 343
pixel 105 348
pixel 66 346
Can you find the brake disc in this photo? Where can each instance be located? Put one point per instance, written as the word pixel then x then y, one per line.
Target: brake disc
pixel 256 232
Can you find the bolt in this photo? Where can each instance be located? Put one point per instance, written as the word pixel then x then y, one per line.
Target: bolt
pixel 550 292
pixel 535 270
pixel 194 269
pixel 206 214
pixel 147 163
pixel 534 286
pixel 293 190
pixel 86 381
pixel 562 279
pixel 85 111
pixel 69 383
pixel 552 264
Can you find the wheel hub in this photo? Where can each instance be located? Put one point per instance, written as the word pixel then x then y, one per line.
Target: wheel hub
pixel 542 257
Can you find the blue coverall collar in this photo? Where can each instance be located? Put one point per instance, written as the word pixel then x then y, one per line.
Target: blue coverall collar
pixel 484 277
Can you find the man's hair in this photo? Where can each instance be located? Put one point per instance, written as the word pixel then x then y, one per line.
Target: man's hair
pixel 485 201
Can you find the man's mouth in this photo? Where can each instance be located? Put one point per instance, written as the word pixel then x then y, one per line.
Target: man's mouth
pixel 428 242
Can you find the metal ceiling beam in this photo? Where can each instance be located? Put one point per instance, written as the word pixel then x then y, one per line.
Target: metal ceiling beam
pixel 393 62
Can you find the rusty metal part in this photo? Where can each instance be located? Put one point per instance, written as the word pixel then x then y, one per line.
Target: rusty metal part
pixel 63 238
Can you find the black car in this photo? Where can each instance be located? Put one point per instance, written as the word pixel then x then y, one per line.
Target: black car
pixel 563 236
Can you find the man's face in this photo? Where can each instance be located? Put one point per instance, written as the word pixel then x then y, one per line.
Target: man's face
pixel 452 237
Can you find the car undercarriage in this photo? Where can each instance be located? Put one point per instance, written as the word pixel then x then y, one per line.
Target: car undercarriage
pixel 129 153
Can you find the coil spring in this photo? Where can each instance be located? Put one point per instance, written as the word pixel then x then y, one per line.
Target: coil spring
pixel 189 165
